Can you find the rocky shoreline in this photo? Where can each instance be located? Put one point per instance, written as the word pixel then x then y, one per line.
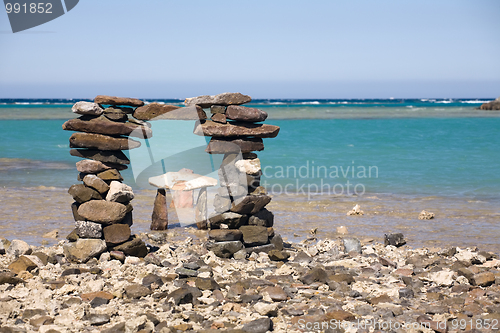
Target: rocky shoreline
pixel 180 286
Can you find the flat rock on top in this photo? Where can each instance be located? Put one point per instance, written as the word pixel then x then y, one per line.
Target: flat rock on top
pixel 155 111
pixel 101 142
pixel 184 181
pixel 236 129
pixel 207 101
pixel 112 100
pixel 243 113
pixel 103 125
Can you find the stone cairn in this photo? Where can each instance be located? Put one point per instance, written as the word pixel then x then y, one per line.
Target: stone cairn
pixel 241 223
pixel 102 209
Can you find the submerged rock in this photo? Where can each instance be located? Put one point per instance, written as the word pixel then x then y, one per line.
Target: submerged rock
pixel 425 215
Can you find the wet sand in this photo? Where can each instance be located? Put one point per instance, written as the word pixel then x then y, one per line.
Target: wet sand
pixel 29 213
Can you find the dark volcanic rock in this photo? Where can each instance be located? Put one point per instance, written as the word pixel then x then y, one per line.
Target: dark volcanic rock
pixel 82 193
pixel 117 156
pixel 242 113
pixel 103 125
pixel 225 99
pixel 9 278
pixel 261 325
pixel 263 218
pixel 225 146
pixel 396 240
pixel 102 211
pixel 236 129
pixel 116 234
pixel 112 100
pixel 254 235
pixel 101 142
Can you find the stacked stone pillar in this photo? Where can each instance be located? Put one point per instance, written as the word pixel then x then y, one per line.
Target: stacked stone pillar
pixel 241 223
pixel 102 209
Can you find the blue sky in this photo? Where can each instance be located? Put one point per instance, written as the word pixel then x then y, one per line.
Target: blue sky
pixel 267 49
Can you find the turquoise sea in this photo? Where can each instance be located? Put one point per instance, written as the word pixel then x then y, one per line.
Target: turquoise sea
pixel 442 154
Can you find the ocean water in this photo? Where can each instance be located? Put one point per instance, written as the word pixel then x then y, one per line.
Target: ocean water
pixel 393 157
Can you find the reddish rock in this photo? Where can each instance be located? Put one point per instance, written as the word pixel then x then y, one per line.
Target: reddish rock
pixel 159 219
pixel 236 129
pixel 225 146
pixel 153 110
pixel 88 297
pixel 116 234
pixel 112 100
pixel 242 113
pixel 101 142
pixel 22 264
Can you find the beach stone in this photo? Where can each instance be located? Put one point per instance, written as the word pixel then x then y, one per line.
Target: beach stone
pixel 278 255
pixel 112 100
pixel 442 278
pixel 185 272
pixel 87 108
pixel 96 183
pixel 119 192
pixel 243 113
pixel 73 235
pixel 22 263
pixel 314 275
pixel 118 255
pixel 266 309
pixel 82 193
pixel 201 210
pixel 91 166
pixel 184 295
pixel 251 204
pixel 152 281
pixel 254 235
pixel 277 294
pixel 219 118
pixel 115 115
pixel 222 235
pixel 87 229
pixel 18 248
pixel 214 109
pixel 356 210
pixel 110 175
pixel 425 215
pixel 9 278
pixel 406 293
pixel 235 129
pixel 41 320
pixel 228 145
pixel 396 240
pixel 493 105
pixel 263 218
pixel 105 126
pixel 84 249
pixel 116 234
pixel 483 279
pixel 251 167
pixel 223 99
pixel 221 204
pixel 152 110
pixel 137 291
pixel 351 244
pixel 232 220
pixel 135 247
pixel 261 325
pixel 159 218
pixel 206 284
pixel 107 156
pixel 97 319
pixel 102 211
pixel 260 248
pixel 277 241
pixel 224 249
pixel 101 142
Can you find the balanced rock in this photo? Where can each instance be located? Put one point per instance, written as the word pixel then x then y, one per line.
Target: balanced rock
pixel 242 113
pixel 263 218
pixel 251 167
pixel 103 125
pixel 111 174
pixel 225 99
pixel 116 234
pixel 87 108
pixel 96 183
pixel 219 118
pixel 236 129
pixel 119 192
pixel 112 100
pixel 224 249
pixel 251 204
pixel 221 109
pixel 159 218
pixel 107 156
pixel 223 235
pixel 115 115
pixel 87 229
pixel 134 247
pixel 101 142
pixel 231 219
pixel 254 235
pixel 226 146
pixel 102 211
pixel 155 111
pixel 84 249
pixel 91 166
pixel 82 193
